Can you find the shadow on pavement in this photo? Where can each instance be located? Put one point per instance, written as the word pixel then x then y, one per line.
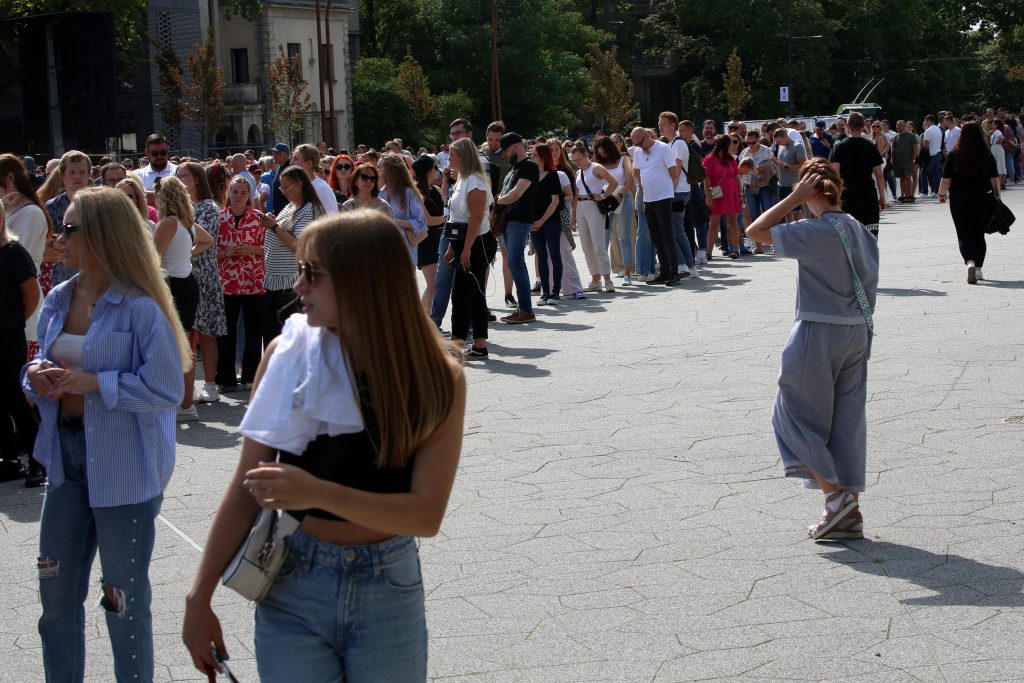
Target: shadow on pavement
pixel 500 367
pixel 896 291
pixel 1003 284
pixel 956 580
pixel 18 504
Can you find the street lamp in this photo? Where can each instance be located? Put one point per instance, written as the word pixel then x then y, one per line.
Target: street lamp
pixel 790 39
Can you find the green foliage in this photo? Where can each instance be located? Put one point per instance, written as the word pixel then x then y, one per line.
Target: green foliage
pixel 206 87
pixel 173 109
pixel 610 90
pixel 737 94
pixel 289 100
pixel 247 9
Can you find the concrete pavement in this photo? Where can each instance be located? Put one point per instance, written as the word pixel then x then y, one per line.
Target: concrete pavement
pixel 620 514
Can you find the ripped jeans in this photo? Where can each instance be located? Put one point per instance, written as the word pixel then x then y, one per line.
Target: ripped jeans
pixel 70 533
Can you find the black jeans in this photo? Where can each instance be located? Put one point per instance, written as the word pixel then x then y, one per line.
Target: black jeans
pixel 277 305
pixel 249 307
pixel 659 223
pixel 547 243
pixel 468 301
pixel 15 412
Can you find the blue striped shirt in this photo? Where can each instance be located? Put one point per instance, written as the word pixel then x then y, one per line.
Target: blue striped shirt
pixel 130 421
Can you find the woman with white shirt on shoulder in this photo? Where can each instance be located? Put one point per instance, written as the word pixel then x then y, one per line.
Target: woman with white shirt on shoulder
pixel 307 157
pixel 105 381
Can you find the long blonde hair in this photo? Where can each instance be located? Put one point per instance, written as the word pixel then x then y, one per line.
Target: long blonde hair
pixel 398 180
pixel 405 363
pixel 114 232
pixel 172 200
pixel 138 193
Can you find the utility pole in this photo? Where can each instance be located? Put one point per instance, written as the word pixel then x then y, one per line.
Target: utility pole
pixel 320 70
pixel 332 136
pixel 495 79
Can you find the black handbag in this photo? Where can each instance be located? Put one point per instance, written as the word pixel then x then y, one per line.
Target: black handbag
pixel 456 232
pixel 1002 219
pixel 605 206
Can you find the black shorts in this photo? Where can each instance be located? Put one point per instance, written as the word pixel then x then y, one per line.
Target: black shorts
pixel 185 292
pixel 426 254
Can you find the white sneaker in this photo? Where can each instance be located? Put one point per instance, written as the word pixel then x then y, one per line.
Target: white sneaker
pixel 977 274
pixel 702 257
pixel 680 269
pixel 542 301
pixel 190 414
pixel 208 394
pixel 608 286
pixel 972 273
pixel 627 281
pixel 694 272
pixel 594 286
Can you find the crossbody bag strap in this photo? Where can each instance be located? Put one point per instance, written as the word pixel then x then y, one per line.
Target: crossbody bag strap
pixel 858 286
pixel 583 178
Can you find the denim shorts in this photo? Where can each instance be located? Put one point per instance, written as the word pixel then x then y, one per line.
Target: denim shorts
pixel 344 613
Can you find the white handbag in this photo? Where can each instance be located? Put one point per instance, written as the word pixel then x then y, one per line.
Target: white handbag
pixel 254 567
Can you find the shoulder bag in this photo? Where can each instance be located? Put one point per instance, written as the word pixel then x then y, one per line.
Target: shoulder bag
pixel 1002 219
pixel 605 206
pixel 858 287
pixel 254 567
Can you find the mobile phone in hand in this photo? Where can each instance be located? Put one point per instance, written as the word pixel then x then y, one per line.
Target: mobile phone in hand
pixel 223 665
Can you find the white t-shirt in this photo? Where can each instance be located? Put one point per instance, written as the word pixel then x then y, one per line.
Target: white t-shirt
pixel 326 195
pixel 795 136
pixel 933 136
pixel 653 164
pixel 563 180
pixel 28 222
pixel 458 206
pixel 442 159
pixel 952 135
pixel 890 135
pixel 681 152
pixel 147 175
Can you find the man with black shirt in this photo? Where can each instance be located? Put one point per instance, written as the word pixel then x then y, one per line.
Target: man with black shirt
pixel 655 164
pixel 857 161
pixel 707 144
pixel 821 141
pixel 517 197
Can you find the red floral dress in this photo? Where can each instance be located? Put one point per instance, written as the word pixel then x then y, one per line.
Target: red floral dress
pixel 241 274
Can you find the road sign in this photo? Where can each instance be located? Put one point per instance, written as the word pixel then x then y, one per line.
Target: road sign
pixel 784 93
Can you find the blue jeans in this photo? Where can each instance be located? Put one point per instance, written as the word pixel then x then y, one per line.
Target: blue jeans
pixel 622 225
pixel 517 234
pixel 931 173
pixel 758 201
pixel 683 252
pixel 442 283
pixel 547 242
pixel 644 246
pixel 70 532
pixel 344 613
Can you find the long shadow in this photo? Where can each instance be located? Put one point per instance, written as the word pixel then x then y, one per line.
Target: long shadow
pixel 518 351
pixel 501 367
pixel 1003 284
pixel 19 504
pixel 956 580
pixel 896 291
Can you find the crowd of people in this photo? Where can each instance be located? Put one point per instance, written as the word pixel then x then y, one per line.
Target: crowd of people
pixel 146 271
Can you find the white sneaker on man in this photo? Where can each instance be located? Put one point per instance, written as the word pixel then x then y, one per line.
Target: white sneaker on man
pixel 977 274
pixel 972 273
pixel 209 393
pixel 694 272
pixel 190 414
pixel 702 257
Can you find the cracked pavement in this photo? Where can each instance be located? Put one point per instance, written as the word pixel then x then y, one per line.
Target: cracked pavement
pixel 620 512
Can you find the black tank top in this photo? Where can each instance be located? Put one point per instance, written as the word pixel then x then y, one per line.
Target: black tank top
pixel 350 460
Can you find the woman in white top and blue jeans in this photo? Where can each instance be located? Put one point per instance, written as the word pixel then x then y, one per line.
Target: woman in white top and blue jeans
pixel 467 221
pixel 106 380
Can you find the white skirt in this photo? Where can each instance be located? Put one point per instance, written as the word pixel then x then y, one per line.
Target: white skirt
pixel 1000 155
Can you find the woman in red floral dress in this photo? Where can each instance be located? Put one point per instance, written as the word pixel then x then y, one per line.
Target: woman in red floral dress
pixel 240 261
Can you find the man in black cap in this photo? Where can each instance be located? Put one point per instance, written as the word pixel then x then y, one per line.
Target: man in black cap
pixel 517 196
pixel 282 157
pixel 821 141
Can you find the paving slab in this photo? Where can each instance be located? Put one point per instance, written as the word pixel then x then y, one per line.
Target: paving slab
pixel 620 514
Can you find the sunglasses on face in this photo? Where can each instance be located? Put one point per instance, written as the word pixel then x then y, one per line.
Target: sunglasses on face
pixel 67 229
pixel 368 178
pixel 344 167
pixel 310 271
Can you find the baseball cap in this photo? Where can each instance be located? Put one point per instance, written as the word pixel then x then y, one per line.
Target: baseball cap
pixel 509 139
pixel 282 147
pixel 819 124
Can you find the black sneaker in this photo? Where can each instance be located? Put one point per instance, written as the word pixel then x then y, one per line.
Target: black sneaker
pixel 536 288
pixel 473 352
pixel 511 302
pixel 11 469
pixel 36 476
pixel 673 282
pixel 660 280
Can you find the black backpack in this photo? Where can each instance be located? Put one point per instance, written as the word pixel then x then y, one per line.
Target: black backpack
pixel 694 168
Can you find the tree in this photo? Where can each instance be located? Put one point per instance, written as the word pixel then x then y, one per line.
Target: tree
pixel 610 92
pixel 206 88
pixel 289 100
pixel 172 84
pixel 737 94
pixel 414 90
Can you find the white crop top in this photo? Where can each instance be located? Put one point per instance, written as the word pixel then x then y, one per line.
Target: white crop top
pixel 177 260
pixel 67 350
pixel 595 184
pixel 619 173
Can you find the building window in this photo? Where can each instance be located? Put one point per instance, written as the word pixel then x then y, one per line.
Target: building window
pixel 295 52
pixel 240 66
pixel 327 59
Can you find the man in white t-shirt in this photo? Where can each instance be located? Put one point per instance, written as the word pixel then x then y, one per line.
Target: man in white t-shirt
pixel 658 171
pixel 668 124
pixel 952 133
pixel 158 167
pixel 932 142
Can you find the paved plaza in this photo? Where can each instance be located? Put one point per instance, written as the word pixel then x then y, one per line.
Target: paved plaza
pixel 620 514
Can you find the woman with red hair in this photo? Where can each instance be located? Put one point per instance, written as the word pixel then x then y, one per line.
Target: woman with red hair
pixel 340 176
pixel 547 228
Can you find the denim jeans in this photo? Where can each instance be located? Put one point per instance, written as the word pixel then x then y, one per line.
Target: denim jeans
pixel 344 613
pixel 644 246
pixel 70 532
pixel 930 174
pixel 684 254
pixel 442 283
pixel 758 201
pixel 622 226
pixel 547 243
pixel 517 234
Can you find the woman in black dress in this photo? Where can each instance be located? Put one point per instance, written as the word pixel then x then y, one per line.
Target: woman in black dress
pixel 428 180
pixel 971 181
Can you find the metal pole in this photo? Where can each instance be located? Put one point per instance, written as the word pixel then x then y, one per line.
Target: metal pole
pixel 792 109
pixel 320 71
pixel 332 139
pixel 495 78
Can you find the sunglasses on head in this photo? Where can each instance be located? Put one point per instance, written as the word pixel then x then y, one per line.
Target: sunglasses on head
pixel 68 229
pixel 370 178
pixel 310 271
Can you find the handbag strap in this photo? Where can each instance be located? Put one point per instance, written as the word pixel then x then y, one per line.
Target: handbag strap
pixel 583 178
pixel 858 287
